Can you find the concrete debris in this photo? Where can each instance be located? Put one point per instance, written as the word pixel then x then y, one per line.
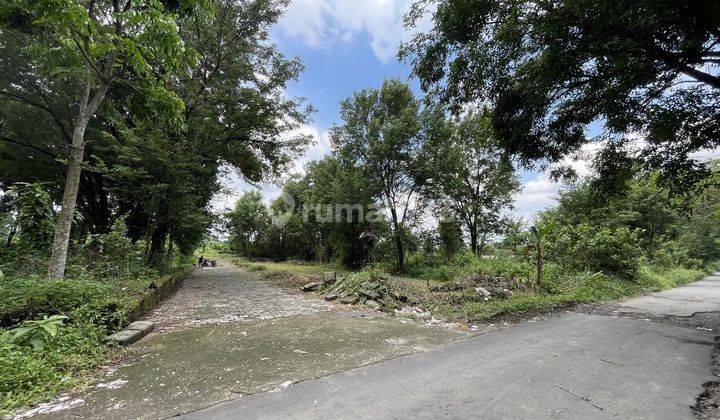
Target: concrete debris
pixel 375 291
pixel 350 299
pixel 112 385
pixel 413 312
pixel 309 287
pixel 371 303
pixel 329 277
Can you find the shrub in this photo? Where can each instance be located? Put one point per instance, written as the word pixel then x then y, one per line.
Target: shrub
pixel 35 332
pixel 112 253
pixel 29 376
pixel 25 378
pixel 28 298
pixel 613 250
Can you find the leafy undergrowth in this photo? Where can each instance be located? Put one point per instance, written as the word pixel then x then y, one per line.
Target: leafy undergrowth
pixel 29 376
pixel 37 359
pixel 563 290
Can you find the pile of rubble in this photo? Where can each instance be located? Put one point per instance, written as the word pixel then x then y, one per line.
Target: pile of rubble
pixel 373 291
pixel 485 286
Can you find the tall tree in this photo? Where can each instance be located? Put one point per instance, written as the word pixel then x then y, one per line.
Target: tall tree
pixel 553 67
pixel 236 106
pixel 381 134
pixel 161 172
pixel 471 177
pixel 336 231
pixel 247 223
pixel 107 42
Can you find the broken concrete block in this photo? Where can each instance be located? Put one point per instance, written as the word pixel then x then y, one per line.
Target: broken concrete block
pixel 310 287
pixel 329 277
pixel 350 300
pixel 125 337
pixel 370 294
pixel 331 296
pixel 143 326
pixel 483 291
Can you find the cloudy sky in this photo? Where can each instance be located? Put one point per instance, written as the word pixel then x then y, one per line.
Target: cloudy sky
pixel 347 45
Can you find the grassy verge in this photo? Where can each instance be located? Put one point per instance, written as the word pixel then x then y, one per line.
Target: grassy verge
pixel 294 267
pixel 36 366
pixel 562 291
pixel 559 288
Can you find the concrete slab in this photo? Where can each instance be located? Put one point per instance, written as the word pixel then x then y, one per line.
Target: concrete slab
pixel 185 370
pixel 626 369
pixel 701 296
pixel 145 327
pixel 125 337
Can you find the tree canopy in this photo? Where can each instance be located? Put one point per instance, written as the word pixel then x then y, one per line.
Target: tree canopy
pixel 165 129
pixel 551 68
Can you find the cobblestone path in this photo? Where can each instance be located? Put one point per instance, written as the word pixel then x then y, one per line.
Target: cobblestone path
pixel 226 294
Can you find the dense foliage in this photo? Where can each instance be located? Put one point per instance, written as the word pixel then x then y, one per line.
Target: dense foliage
pixel 642 68
pixel 203 93
pixel 394 164
pixel 117 118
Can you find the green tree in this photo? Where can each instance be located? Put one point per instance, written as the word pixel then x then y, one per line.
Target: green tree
pixel 161 172
pixel 107 42
pixel 551 68
pixel 34 215
pixel 469 176
pixel 381 134
pixel 450 238
pixel 236 108
pixel 247 223
pixel 335 231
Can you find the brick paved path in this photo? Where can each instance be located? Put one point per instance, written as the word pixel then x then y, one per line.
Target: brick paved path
pixel 226 294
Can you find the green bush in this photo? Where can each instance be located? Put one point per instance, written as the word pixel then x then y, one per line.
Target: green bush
pixel 29 376
pixel 25 378
pixel 34 332
pixel 613 250
pixel 30 298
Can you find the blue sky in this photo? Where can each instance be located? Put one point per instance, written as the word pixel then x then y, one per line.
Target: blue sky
pixel 347 45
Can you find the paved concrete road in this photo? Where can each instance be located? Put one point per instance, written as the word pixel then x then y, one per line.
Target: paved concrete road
pixel 701 296
pixel 568 366
pixel 227 333
pixel 226 294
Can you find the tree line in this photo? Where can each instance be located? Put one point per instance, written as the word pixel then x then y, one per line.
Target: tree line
pixel 402 160
pixel 130 110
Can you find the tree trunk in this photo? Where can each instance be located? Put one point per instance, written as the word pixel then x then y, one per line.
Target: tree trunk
pixel 399 250
pixel 474 242
pixel 58 256
pixel 11 236
pixel 170 253
pixel 157 246
pixel 481 245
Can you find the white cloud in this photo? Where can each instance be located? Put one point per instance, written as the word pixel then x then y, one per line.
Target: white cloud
pixel 317 150
pixel 321 23
pixel 537 194
pixel 542 192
